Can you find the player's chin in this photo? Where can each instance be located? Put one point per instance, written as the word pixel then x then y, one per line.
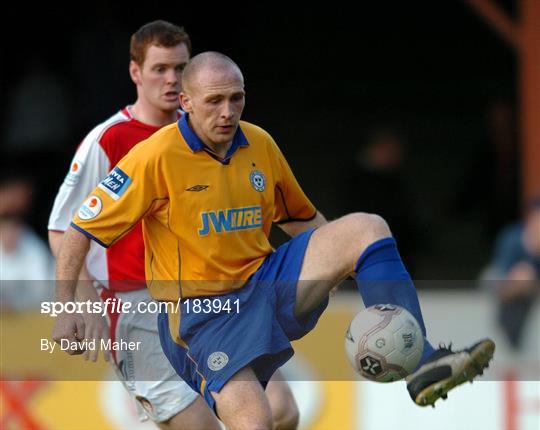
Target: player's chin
pixel 170 104
pixel 223 138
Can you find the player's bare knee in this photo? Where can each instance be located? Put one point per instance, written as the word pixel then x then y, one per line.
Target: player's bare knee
pixel 285 412
pixel 251 423
pixel 242 404
pixel 288 419
pixel 247 420
pixel 364 228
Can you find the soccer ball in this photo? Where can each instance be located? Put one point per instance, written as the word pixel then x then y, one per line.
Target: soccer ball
pixel 384 343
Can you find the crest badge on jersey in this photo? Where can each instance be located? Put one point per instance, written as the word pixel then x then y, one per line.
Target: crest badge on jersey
pixel 217 361
pixel 258 180
pixel 90 208
pixel 116 183
pixel 74 174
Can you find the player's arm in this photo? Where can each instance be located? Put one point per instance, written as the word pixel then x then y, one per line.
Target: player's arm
pixel 294 228
pixel 70 259
pixel 55 242
pixel 115 206
pixel 95 325
pixel 90 164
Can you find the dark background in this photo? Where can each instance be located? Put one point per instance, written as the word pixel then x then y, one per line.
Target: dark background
pixel 320 80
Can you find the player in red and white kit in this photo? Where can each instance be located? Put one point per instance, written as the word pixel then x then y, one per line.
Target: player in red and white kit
pixel 159 52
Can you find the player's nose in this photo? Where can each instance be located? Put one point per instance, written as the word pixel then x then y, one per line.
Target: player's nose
pixel 227 111
pixel 172 77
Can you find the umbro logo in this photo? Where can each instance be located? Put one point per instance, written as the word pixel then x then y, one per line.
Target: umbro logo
pixel 198 188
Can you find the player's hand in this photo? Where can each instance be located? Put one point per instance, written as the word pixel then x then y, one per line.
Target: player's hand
pixel 98 330
pixel 69 327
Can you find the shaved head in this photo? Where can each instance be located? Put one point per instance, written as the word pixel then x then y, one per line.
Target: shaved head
pixel 208 63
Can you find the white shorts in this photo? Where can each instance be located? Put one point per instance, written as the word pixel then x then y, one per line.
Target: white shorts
pixel 145 371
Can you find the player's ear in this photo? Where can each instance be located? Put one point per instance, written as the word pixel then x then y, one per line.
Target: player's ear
pixel 135 72
pixel 185 102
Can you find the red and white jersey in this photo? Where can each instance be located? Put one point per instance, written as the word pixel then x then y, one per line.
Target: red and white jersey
pixel 98 153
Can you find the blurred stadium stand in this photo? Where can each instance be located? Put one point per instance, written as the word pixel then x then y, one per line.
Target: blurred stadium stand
pixel 319 82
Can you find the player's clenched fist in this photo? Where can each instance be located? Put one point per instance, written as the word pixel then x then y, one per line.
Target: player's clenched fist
pixel 69 333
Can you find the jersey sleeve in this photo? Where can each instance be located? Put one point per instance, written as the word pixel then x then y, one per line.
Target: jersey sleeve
pixel 130 191
pixel 291 203
pixel 89 165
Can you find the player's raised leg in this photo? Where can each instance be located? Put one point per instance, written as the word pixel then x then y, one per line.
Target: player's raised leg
pixel 242 404
pixel 360 243
pixel 363 243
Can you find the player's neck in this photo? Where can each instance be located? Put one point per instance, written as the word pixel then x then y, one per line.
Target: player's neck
pixel 220 149
pixel 151 116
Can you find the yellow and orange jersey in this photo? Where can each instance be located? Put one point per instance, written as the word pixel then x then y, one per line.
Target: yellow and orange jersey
pixel 203 218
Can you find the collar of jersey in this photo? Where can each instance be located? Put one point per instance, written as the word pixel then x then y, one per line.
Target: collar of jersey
pixel 196 144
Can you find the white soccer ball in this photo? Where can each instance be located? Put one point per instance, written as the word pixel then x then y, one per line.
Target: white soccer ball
pixel 384 343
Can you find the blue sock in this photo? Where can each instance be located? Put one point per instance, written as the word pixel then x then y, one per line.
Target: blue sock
pixel 382 278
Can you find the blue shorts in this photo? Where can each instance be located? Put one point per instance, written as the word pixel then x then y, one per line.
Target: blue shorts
pixel 217 345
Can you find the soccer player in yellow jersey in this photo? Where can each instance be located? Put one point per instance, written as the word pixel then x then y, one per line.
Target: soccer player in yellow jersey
pixel 208 189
